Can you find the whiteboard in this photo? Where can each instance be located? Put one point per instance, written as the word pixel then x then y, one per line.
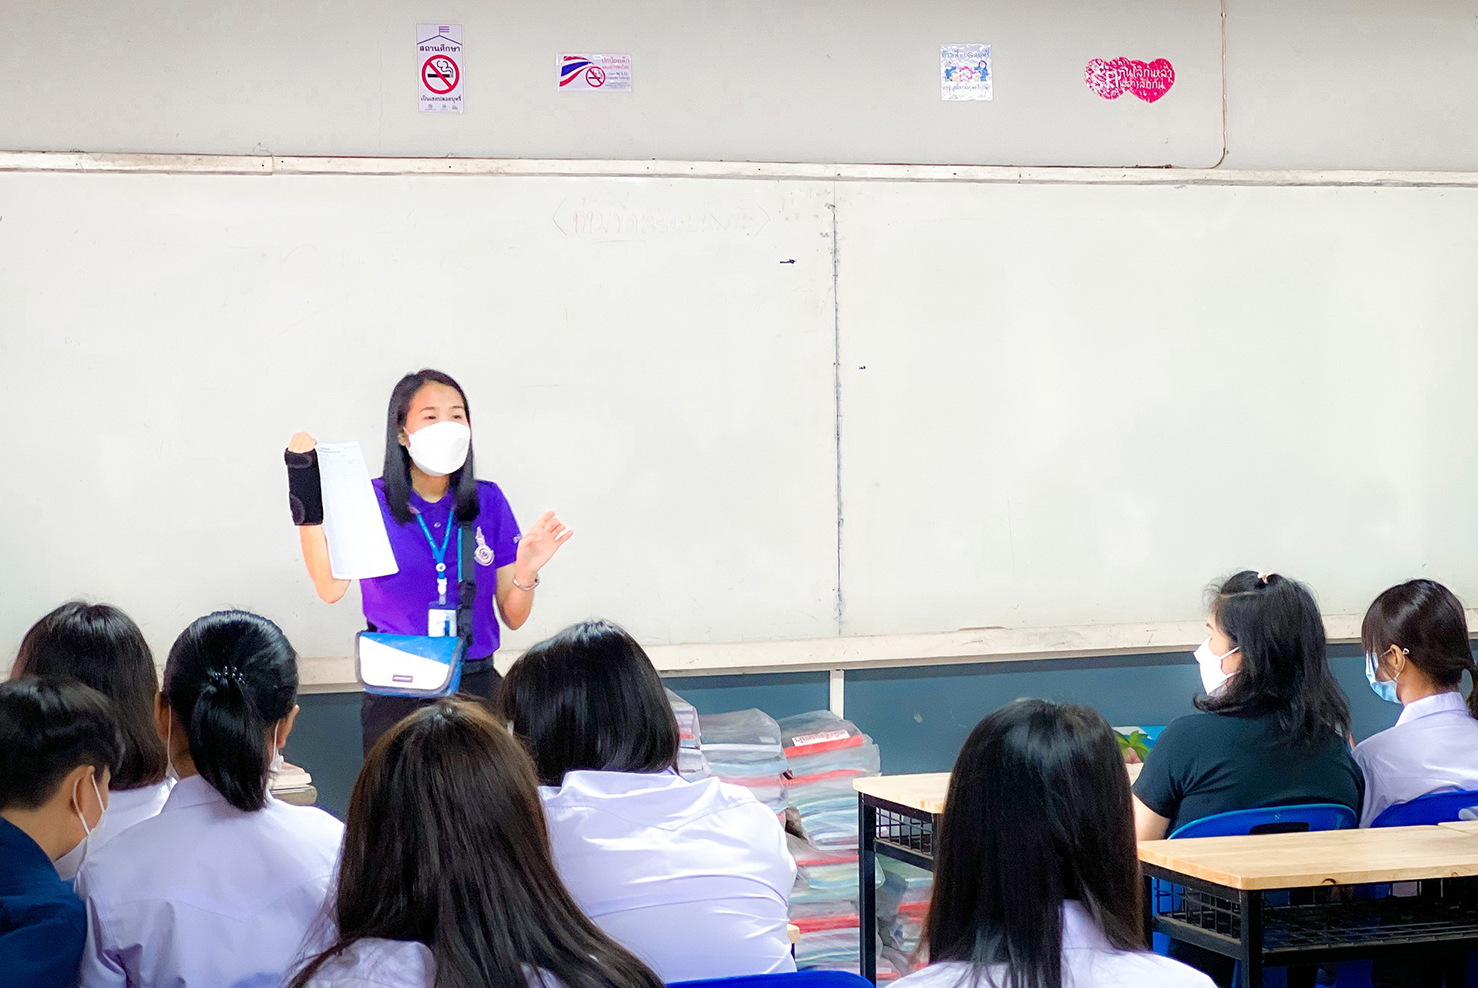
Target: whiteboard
pixel 1069 405
pixel 635 355
pixel 995 404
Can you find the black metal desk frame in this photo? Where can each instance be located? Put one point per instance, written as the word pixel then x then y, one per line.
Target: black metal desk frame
pixel 1257 928
pixel 889 830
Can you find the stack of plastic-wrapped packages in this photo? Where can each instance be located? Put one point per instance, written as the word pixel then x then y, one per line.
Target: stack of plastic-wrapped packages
pixel 691 764
pixel 903 900
pixel 743 748
pixel 824 754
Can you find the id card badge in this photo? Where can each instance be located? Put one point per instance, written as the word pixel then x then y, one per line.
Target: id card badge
pixel 441 621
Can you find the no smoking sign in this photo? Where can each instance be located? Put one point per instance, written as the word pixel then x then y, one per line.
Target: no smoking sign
pixel 439 54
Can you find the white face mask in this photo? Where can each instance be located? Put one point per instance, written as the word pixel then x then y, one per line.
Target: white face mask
pixel 169 772
pixel 70 863
pixel 275 768
pixel 440 448
pixel 1212 678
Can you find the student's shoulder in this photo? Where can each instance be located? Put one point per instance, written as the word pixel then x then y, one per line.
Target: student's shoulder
pixel 310 820
pixel 1191 728
pixel 945 974
pixel 57 909
pixel 1131 969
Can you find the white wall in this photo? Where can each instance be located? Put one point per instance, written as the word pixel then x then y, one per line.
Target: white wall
pixel 1311 84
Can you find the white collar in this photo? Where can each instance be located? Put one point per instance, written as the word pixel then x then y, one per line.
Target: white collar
pixel 1079 931
pixel 617 783
pixel 1435 704
pixel 195 791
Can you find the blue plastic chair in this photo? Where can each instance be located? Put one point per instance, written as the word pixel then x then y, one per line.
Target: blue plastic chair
pixel 800 979
pixel 1434 807
pixel 1266 820
pixel 1271 820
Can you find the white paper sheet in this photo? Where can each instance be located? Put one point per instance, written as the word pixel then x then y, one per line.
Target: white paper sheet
pixel 357 544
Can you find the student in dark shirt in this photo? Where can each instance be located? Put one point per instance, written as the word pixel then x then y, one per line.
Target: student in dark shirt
pixel 1272 728
pixel 58 747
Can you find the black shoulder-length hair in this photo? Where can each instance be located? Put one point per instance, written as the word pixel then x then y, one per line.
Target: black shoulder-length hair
pixel 1426 621
pixel 1038 814
pixel 230 678
pixel 397 473
pixel 100 646
pixel 445 844
pixel 1276 626
pixel 589 698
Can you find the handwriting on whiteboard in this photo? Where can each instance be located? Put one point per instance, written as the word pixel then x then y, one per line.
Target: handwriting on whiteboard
pixel 582 217
pixel 1112 78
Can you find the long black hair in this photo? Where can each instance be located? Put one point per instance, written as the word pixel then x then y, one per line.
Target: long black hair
pixel 230 677
pixel 100 646
pixel 397 473
pixel 445 844
pixel 589 698
pixel 1038 813
pixel 1276 625
pixel 1426 621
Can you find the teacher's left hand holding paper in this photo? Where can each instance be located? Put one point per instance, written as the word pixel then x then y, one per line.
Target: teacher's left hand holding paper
pixel 306 500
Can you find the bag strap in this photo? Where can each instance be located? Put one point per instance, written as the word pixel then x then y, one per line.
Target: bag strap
pixel 466 585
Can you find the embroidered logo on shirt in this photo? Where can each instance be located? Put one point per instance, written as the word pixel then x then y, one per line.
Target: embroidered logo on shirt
pixel 484 552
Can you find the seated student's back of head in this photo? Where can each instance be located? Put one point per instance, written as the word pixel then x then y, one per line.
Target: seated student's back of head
pixel 58 747
pixel 589 698
pixel 642 850
pixel 100 646
pixel 1036 879
pixel 221 886
pixel 447 876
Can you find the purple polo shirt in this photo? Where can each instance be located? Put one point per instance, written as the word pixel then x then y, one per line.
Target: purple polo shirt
pixel 397 604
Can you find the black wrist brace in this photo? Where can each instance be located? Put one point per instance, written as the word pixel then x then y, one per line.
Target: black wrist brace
pixel 304 495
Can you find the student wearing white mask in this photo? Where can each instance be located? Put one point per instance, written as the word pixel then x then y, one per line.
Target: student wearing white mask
pixel 58 747
pixel 1272 729
pixel 100 646
pixel 1273 724
pixel 1417 649
pixel 445 527
pixel 220 887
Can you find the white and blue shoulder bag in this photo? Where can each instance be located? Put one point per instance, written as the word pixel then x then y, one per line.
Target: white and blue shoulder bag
pixel 428 665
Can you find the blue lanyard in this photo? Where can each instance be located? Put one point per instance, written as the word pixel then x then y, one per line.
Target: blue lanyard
pixel 439 554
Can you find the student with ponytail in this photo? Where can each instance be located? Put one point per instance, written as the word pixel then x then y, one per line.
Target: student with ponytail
pixel 222 885
pixel 1417 649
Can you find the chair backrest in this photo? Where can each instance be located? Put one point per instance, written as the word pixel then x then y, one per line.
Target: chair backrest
pixel 798 979
pixel 1272 820
pixel 1434 807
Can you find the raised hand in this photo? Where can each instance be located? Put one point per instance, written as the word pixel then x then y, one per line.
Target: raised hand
pixel 540 543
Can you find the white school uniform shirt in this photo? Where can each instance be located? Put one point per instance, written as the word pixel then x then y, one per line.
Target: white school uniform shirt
pixel 205 895
pixel 1088 961
pixel 394 964
pixel 126 808
pixel 1432 748
pixel 694 878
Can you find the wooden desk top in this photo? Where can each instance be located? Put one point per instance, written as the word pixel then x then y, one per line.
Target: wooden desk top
pixel 1462 826
pixel 1336 857
pixel 925 792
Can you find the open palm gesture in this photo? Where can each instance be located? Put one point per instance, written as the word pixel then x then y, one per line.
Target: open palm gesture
pixel 541 542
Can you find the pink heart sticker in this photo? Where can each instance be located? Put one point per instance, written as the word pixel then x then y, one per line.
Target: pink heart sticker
pixel 1110 78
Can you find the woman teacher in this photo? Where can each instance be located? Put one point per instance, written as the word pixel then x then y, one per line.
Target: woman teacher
pixel 428 494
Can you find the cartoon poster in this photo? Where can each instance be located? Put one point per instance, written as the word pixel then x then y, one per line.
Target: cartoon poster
pixel 964 72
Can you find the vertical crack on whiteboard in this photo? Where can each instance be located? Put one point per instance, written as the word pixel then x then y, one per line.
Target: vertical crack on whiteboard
pixel 836 369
